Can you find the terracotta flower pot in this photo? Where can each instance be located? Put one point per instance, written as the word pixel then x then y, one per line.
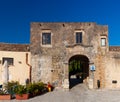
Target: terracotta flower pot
pixel 22 97
pixel 5 97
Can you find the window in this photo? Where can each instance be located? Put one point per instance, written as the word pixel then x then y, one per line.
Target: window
pixel 46 38
pixel 10 61
pixel 103 41
pixel 78 37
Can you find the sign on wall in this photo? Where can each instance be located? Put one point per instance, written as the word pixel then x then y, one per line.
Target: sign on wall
pixel 92 67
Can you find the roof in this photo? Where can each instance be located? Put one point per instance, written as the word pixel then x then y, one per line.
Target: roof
pixel 114 48
pixel 14 47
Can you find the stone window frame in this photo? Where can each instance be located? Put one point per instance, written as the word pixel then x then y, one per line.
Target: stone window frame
pixel 46 45
pixel 77 31
pixel 103 41
pixel 46 38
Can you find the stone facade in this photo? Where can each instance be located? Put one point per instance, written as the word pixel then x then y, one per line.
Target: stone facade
pixel 112 68
pixel 51 62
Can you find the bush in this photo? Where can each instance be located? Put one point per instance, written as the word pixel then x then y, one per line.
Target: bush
pixel 21 89
pixel 10 86
pixel 36 88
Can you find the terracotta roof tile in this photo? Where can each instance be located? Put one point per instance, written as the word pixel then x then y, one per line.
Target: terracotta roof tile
pixel 14 47
pixel 114 48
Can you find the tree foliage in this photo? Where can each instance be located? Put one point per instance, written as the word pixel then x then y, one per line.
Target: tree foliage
pixel 75 66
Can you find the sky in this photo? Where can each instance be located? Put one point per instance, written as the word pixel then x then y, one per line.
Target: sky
pixel 16 16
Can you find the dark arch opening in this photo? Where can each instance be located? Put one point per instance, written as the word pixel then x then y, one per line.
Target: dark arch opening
pixel 78 70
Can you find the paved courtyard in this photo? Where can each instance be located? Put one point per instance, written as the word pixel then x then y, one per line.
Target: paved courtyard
pixel 79 93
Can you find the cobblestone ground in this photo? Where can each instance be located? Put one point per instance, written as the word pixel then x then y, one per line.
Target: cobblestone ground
pixel 78 93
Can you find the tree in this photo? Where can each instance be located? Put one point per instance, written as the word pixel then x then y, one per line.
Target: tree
pixel 75 66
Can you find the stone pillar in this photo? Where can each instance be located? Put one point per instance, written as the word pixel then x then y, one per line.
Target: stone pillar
pixel 90 83
pixel 91 76
pixel 65 83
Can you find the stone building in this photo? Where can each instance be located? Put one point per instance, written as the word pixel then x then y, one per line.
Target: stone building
pixel 54 45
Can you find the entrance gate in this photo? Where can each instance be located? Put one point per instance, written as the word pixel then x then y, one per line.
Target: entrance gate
pixel 78 70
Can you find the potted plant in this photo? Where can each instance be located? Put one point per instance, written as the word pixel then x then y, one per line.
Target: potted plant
pixel 31 88
pixel 35 88
pixel 4 95
pixel 21 92
pixel 7 90
pixel 10 86
pixel 41 87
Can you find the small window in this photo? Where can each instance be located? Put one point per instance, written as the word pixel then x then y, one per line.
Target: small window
pixel 10 61
pixel 78 37
pixel 103 41
pixel 46 38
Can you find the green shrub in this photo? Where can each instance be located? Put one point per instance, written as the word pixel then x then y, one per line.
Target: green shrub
pixel 10 86
pixel 35 88
pixel 21 89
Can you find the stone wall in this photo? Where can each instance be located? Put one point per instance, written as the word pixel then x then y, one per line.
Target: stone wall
pixel 112 70
pixel 50 63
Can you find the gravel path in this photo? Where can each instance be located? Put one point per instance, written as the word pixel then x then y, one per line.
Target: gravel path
pixel 78 93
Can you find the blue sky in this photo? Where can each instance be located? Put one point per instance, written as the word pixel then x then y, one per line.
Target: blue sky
pixel 16 15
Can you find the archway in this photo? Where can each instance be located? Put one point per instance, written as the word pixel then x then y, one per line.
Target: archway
pixel 78 70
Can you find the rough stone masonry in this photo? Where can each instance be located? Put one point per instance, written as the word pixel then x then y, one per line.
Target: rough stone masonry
pixel 53 45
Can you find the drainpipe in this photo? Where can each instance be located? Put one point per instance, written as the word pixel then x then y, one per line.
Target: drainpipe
pixel 30 67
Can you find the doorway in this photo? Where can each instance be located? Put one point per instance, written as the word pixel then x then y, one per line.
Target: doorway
pixel 78 70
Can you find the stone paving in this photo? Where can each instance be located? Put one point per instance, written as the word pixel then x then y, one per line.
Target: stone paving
pixel 79 93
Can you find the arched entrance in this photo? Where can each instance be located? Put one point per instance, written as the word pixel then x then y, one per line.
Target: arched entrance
pixel 78 70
